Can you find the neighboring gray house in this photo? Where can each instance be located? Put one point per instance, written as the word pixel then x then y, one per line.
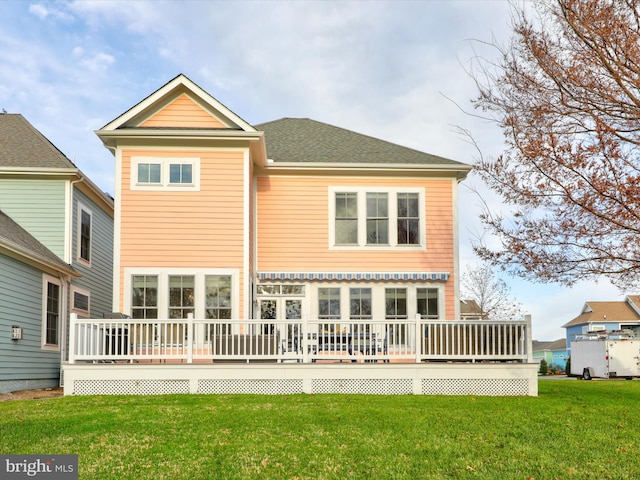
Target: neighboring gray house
pixel 56 254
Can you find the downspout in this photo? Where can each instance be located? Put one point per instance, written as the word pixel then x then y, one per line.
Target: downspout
pixel 66 279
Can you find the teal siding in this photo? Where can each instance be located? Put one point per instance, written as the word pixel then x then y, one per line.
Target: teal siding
pixel 97 278
pixel 38 206
pixel 21 305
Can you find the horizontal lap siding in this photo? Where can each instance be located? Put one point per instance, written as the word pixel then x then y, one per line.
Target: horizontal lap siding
pixel 21 305
pixel 186 229
pixel 38 206
pixel 183 113
pixel 293 223
pixel 97 277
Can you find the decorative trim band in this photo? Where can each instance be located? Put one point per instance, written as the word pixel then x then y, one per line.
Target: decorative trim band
pixel 357 276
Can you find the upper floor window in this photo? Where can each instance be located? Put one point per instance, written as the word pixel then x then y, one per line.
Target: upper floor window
pixel 346 218
pixel 151 173
pixel 408 218
pixel 375 217
pixel 84 233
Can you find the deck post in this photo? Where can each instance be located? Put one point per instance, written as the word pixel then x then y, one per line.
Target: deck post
pixel 529 339
pixel 189 337
pixel 417 335
pixel 304 339
pixel 72 337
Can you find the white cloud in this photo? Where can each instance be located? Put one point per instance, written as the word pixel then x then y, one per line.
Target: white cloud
pixel 54 11
pixel 39 10
pixel 99 61
pixel 379 68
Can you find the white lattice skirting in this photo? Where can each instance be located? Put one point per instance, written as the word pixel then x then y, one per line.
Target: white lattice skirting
pixel 505 379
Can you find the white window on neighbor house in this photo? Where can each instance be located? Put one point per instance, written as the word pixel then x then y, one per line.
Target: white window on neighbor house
pixel 378 218
pixel 52 291
pixel 84 233
pixel 593 328
pixel 80 301
pixel 153 173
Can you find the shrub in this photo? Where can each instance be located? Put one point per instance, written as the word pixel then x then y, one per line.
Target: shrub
pixel 543 367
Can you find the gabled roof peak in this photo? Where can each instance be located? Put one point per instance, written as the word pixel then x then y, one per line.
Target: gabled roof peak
pixel 169 92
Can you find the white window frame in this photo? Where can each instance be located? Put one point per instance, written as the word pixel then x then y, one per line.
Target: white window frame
pixel 361 193
pixel 163 275
pixel 81 291
pixel 46 280
pixel 165 163
pixel 83 208
pixel 378 306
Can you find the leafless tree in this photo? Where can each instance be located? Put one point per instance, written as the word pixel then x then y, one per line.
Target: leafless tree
pixel 566 92
pixel 491 293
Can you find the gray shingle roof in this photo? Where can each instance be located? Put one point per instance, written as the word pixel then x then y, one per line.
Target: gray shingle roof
pixel 304 140
pixel 18 239
pixel 21 145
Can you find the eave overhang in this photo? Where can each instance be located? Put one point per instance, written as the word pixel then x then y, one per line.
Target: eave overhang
pixel 459 171
pixel 15 251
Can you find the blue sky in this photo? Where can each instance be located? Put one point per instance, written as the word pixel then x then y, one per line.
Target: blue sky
pixel 393 70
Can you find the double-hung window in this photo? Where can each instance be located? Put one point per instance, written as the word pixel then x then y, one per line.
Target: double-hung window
pixel 362 217
pixel 51 310
pixel 408 218
pixel 377 218
pixel 346 218
pixel 427 303
pixel 144 296
pixel 152 173
pixel 181 295
pixel 84 238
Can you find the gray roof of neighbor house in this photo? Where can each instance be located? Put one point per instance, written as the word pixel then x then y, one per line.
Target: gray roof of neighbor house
pixel 303 140
pixel 21 145
pixel 16 239
pixel 560 344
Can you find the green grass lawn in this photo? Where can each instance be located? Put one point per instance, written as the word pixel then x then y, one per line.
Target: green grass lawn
pixel 574 429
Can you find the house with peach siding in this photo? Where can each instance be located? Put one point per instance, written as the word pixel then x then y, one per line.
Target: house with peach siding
pixel 203 198
pixel 324 241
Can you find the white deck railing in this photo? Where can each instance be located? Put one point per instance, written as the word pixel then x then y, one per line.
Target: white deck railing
pixel 308 341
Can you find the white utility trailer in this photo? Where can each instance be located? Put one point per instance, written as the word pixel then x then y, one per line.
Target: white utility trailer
pixel 606 354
